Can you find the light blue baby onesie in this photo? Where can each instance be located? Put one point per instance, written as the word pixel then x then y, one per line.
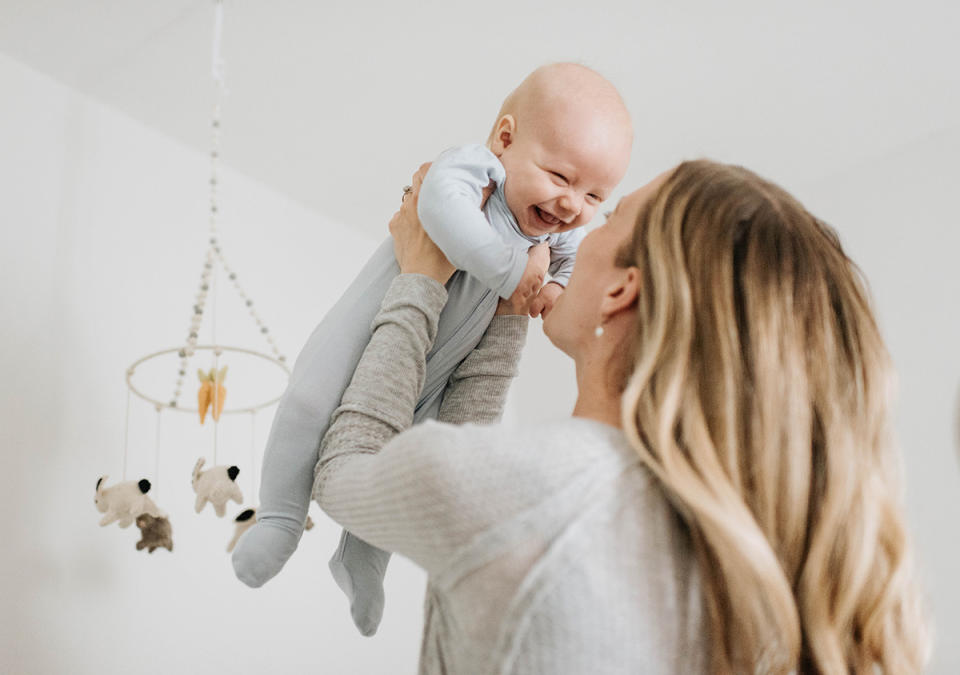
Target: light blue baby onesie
pixel 490 254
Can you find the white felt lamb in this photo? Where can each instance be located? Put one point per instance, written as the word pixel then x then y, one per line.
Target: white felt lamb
pixel 216 485
pixel 244 522
pixel 247 519
pixel 124 501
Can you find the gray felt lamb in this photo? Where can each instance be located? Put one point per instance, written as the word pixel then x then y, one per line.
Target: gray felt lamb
pixel 154 533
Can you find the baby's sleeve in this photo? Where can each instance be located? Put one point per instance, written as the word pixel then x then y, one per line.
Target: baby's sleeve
pixel 563 253
pixel 450 209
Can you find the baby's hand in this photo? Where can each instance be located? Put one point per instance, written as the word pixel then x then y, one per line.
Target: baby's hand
pixel 543 303
pixel 537 264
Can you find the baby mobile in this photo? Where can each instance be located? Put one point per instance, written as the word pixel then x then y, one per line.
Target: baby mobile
pixel 128 501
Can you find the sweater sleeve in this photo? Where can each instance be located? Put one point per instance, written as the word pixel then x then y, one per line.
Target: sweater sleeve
pixel 391 490
pixel 449 207
pixel 478 388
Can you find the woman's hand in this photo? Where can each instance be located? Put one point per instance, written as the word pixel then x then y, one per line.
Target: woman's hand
pixel 415 251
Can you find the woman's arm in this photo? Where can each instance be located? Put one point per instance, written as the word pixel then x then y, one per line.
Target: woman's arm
pixel 392 493
pixel 477 389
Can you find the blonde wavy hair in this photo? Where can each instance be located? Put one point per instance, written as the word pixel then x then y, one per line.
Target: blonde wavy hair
pixel 760 399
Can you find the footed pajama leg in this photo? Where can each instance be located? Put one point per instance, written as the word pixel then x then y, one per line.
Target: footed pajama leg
pixel 358 567
pixel 320 375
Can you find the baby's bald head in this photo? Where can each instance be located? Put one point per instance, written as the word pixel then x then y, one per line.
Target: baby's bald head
pixel 564 138
pixel 567 98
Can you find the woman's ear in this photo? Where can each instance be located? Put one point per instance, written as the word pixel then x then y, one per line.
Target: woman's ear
pixel 503 133
pixel 622 294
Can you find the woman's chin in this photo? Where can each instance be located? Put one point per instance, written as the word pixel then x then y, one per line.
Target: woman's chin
pixel 546 325
pixel 549 322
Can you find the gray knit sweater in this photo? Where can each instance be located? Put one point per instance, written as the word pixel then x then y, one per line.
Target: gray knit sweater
pixel 548 549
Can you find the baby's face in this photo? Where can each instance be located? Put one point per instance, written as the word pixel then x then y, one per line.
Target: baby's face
pixel 557 177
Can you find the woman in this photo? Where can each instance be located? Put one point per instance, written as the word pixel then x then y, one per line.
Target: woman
pixel 725 497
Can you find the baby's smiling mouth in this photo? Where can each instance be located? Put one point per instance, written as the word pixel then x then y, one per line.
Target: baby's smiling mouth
pixel 547 218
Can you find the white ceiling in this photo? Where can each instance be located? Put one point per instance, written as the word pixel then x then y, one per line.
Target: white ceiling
pixel 335 103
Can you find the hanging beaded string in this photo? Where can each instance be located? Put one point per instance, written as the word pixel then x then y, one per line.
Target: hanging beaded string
pixel 190 344
pixel 196 319
pixel 248 302
pixel 214 253
pixel 218 76
pixel 216 365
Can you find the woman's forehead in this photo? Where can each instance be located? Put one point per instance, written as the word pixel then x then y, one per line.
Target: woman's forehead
pixel 639 197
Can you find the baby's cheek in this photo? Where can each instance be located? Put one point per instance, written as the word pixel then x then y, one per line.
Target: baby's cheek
pixel 587 214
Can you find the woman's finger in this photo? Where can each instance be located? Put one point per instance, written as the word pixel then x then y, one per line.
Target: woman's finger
pixel 409 202
pixel 419 176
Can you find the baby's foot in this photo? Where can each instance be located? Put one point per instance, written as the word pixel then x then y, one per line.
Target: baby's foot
pixel 358 569
pixel 262 552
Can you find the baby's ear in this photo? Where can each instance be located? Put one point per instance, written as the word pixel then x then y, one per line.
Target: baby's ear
pixel 503 134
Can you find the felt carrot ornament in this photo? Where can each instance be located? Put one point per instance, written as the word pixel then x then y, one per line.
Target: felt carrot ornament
pixel 212 393
pixel 204 395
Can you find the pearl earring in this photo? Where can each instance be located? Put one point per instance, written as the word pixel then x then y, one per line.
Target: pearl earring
pixel 599 331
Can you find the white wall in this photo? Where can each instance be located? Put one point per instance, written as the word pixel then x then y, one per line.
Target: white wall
pixel 103 233
pixel 102 225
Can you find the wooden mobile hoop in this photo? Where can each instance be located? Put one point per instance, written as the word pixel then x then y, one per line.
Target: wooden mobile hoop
pixel 217 349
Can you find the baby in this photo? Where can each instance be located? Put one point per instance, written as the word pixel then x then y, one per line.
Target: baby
pixel 560 145
pixel 555 153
